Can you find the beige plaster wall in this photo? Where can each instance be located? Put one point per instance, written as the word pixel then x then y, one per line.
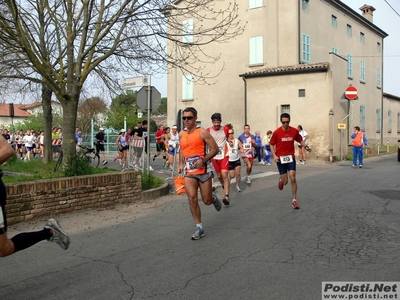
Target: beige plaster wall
pixel 266 96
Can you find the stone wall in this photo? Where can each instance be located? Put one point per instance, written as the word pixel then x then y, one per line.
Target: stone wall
pixel 32 199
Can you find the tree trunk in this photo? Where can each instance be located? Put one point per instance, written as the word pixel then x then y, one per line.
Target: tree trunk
pixel 48 120
pixel 70 108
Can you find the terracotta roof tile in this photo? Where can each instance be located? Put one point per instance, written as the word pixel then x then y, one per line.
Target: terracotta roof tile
pixel 18 112
pixel 31 105
pixel 301 68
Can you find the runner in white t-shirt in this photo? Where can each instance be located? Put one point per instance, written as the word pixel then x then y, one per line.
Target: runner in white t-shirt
pixel 302 150
pixel 28 141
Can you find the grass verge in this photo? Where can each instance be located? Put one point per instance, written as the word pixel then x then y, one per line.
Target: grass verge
pixel 36 170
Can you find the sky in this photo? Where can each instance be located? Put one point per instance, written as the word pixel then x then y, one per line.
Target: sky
pixel 386 19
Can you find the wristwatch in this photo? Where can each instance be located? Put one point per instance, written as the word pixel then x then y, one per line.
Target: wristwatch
pixel 204 161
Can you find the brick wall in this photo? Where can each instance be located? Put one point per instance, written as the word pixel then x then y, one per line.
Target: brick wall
pixel 31 199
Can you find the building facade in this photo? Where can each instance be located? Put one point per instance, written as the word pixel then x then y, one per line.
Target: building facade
pixel 297 56
pixel 10 114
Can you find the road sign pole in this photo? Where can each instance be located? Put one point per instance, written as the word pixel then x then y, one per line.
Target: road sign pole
pixel 148 124
pixel 341 144
pixel 148 102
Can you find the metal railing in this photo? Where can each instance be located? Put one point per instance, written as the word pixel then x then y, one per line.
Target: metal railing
pixel 110 146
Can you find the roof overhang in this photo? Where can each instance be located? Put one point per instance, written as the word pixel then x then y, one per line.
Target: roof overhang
pixel 339 4
pixel 391 96
pixel 288 70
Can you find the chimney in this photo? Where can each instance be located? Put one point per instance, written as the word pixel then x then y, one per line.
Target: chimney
pixel 368 12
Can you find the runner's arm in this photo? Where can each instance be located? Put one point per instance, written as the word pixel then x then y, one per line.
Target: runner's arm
pixel 240 146
pixel 181 158
pixel 273 149
pixel 300 140
pixel 117 142
pixel 6 152
pixel 211 143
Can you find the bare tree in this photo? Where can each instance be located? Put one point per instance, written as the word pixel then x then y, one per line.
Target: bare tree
pixel 62 42
pixel 91 109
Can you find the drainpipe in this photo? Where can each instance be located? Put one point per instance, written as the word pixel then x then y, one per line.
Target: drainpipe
pixel 382 97
pixel 331 130
pixel 299 31
pixel 245 100
pixel 176 82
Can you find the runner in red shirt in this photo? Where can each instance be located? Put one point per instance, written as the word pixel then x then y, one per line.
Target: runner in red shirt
pixel 282 148
pixel 160 142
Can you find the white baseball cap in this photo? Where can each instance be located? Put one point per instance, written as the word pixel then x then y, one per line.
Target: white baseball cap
pixel 122 130
pixel 101 128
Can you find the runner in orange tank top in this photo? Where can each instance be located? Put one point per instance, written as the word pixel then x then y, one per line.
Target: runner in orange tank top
pixel 194 142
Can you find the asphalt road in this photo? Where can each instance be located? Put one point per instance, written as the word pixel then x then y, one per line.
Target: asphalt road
pixel 347 229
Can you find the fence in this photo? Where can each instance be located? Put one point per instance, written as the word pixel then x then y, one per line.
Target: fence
pixel 374 150
pixel 136 154
pixel 110 136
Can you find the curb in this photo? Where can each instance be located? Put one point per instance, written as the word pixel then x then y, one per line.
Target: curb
pixel 156 192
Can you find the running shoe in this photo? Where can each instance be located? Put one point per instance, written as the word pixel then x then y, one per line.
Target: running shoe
pixel 120 161
pixel 238 189
pixel 280 185
pixel 268 164
pixel 115 158
pixel 299 161
pixel 105 162
pixel 353 166
pixel 58 235
pixel 214 188
pixel 198 234
pixel 154 157
pixel 361 166
pixel 226 200
pixel 295 204
pixel 248 180
pixel 217 203
pixel 303 162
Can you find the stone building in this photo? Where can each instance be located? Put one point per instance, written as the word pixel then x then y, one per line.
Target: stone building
pixel 297 56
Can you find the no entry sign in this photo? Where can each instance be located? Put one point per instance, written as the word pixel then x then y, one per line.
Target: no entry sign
pixel 351 93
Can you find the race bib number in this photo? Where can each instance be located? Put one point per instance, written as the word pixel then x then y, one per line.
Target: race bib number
pixel 247 146
pixel 191 163
pixel 220 154
pixel 286 159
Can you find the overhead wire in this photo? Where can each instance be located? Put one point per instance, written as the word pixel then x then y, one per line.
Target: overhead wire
pixel 392 8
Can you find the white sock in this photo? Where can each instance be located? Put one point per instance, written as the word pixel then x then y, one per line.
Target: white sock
pixel 200 225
